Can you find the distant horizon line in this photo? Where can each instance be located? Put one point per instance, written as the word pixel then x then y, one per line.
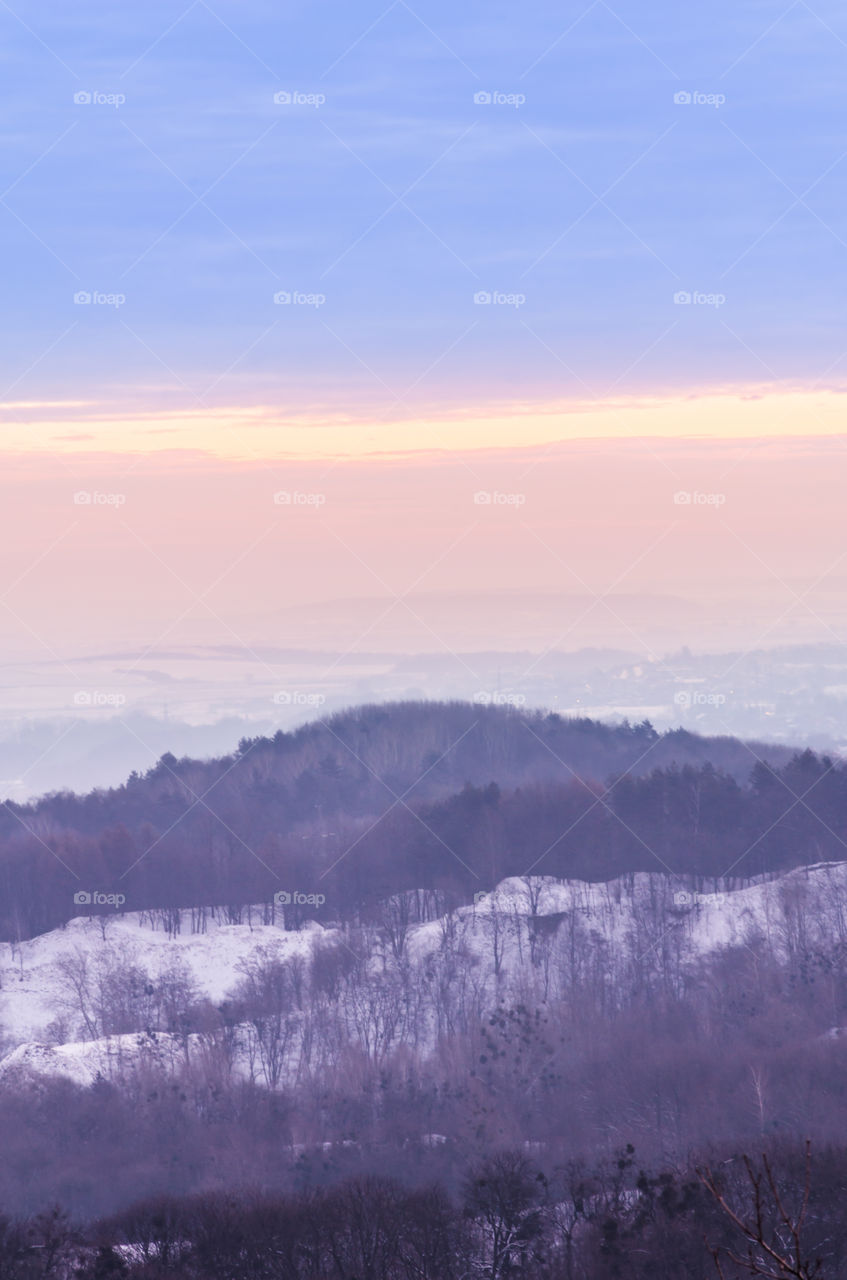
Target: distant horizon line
pixel 258 432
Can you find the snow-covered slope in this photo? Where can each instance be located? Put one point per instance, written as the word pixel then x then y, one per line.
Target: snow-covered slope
pixel 35 975
pixel 808 903
pixel 92 1060
pixel 521 929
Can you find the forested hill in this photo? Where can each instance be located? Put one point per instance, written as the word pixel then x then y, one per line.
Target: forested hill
pixel 450 796
pixel 423 749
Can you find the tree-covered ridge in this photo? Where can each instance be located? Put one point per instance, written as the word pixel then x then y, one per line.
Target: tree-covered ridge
pixel 445 796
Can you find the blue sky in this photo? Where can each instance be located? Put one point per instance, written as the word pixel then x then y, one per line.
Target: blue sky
pixel 596 200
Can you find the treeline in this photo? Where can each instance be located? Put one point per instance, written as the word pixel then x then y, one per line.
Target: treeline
pixel 353 1066
pixel 451 798
pixel 509 1217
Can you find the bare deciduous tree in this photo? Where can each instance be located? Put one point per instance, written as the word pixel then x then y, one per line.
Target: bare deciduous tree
pixel 772 1234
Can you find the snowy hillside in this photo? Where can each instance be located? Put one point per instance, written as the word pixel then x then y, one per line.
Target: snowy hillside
pixel 85 1062
pixel 532 935
pixel 700 921
pixel 33 974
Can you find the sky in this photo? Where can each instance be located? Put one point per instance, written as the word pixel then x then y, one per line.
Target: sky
pixel 378 302
pixel 629 154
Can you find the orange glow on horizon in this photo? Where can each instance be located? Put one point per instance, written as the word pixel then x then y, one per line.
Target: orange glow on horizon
pixel 255 432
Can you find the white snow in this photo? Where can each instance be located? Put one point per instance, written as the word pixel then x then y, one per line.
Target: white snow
pixel 701 921
pixel 84 1063
pixel 30 972
pixel 630 916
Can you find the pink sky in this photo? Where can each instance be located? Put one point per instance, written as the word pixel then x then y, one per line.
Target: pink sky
pixel 189 546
